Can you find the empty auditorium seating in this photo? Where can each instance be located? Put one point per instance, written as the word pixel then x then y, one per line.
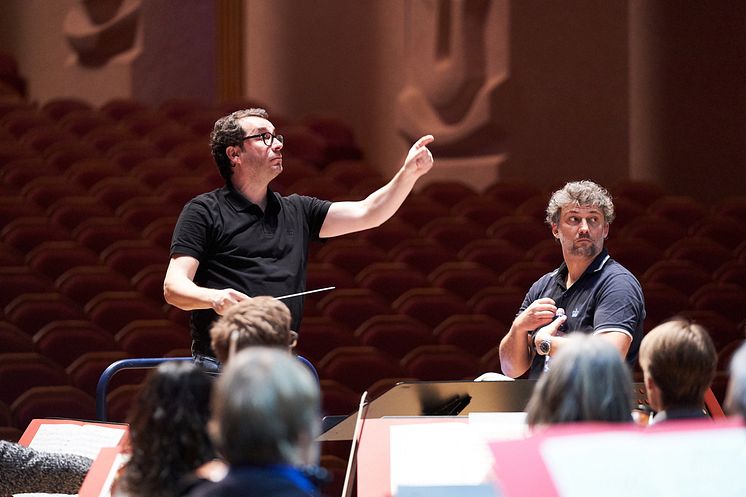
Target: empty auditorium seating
pixel 728 300
pixel 512 192
pixel 131 256
pixel 389 234
pixel 59 401
pixel 85 371
pixel 318 335
pixel 703 252
pixel 63 341
pixel 351 255
pixel 120 401
pixel 14 339
pixel 152 337
pixel 390 279
pixel 20 371
pixel 523 231
pixel 430 305
pixel 422 255
pixel 499 302
pixel 494 253
pixel 53 258
pixel 656 231
pixel 439 363
pixel 353 306
pixel 31 311
pixel 113 310
pixel 452 232
pixel 17 280
pixel 682 275
pixel 463 278
pixel 477 334
pixel 482 209
pixel 395 334
pixel 27 232
pixel 82 283
pixel 447 193
pixel 358 367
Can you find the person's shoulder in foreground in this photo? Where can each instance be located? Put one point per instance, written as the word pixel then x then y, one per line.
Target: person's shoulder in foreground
pixel 25 470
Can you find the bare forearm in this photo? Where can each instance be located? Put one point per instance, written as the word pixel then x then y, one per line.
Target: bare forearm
pixel 514 354
pixel 183 293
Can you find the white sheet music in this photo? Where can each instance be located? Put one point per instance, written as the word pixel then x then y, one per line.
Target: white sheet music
pixel 675 464
pixel 84 440
pixel 437 454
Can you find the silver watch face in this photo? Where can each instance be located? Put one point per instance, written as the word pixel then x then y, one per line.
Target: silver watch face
pixel 544 346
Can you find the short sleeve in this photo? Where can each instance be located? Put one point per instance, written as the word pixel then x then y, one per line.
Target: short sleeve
pixel 620 305
pixel 191 234
pixel 315 211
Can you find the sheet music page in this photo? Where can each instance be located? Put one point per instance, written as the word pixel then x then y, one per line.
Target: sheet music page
pixel 83 440
pixel 666 464
pixel 499 425
pixel 437 454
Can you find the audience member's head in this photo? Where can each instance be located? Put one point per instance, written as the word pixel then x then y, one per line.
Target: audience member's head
pixel 678 361
pixel 588 381
pixel 735 398
pixel 258 321
pixel 168 430
pixel 266 410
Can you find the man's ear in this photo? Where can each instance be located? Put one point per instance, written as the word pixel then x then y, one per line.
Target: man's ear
pixel 555 231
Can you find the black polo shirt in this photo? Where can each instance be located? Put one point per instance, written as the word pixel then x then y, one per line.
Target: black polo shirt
pixel 238 246
pixel 607 296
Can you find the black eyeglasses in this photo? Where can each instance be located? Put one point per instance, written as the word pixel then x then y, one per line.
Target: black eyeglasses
pixel 267 138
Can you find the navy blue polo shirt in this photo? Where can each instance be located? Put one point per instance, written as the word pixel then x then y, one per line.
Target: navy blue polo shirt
pixel 238 246
pixel 607 296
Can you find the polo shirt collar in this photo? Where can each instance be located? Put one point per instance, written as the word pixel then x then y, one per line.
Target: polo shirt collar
pixel 560 274
pixel 241 203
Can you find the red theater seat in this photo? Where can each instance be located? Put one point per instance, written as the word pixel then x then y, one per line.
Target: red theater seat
pixel 113 310
pixel 463 278
pixel 430 305
pixel 351 307
pixel 82 283
pixel 21 371
pixel 394 334
pixel 477 334
pixel 390 279
pixel 32 311
pixel 494 253
pixel 66 340
pixel 523 231
pixel 358 367
pixel 440 363
pixel 319 335
pixel 62 401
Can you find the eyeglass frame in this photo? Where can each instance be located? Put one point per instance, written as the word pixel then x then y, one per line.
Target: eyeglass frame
pixel 263 135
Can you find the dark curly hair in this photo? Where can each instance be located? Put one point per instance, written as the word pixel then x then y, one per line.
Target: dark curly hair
pixel 168 430
pixel 227 132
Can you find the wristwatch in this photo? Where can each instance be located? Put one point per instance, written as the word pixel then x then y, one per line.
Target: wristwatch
pixel 545 346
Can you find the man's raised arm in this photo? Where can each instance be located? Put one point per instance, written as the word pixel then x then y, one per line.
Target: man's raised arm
pixel 379 206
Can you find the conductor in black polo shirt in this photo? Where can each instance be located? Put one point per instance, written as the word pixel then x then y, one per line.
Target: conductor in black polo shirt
pixel 245 240
pixel 596 294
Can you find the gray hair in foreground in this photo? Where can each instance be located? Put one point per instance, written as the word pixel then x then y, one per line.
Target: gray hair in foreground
pixel 265 407
pixel 735 398
pixel 587 381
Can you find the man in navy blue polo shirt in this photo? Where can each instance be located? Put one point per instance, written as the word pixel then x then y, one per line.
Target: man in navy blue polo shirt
pixel 245 240
pixel 590 292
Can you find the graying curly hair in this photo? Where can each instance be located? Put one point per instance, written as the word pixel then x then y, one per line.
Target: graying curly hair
pixel 581 193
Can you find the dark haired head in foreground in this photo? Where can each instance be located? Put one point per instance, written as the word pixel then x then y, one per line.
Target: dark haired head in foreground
pixel 168 430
